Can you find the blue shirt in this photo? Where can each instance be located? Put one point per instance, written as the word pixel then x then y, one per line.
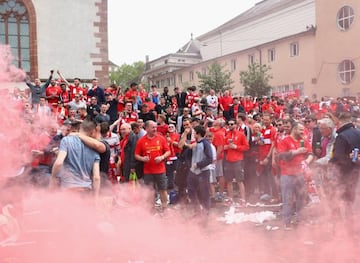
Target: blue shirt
pixel 78 164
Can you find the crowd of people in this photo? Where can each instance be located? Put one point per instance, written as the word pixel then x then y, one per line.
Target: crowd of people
pixel 207 147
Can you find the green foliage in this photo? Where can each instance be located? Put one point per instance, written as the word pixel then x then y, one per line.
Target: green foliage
pixel 256 80
pixel 215 78
pixel 126 74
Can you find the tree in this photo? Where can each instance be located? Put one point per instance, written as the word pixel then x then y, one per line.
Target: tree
pixel 215 78
pixel 126 74
pixel 256 80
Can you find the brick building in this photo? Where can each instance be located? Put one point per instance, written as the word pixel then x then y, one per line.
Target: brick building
pixel 67 35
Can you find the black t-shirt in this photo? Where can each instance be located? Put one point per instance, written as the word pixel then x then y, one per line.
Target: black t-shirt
pixel 147 116
pixel 112 111
pixel 104 159
pixel 91 109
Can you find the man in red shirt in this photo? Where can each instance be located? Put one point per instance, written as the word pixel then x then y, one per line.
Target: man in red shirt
pixel 219 132
pixel 142 93
pixel 53 92
pixel 172 138
pixel 162 127
pixel 132 92
pixel 77 88
pixel 266 145
pixel 190 97
pixel 129 115
pixel 127 163
pixel 225 102
pixel 248 104
pixel 235 145
pixel 74 88
pixel 153 149
pixel 294 154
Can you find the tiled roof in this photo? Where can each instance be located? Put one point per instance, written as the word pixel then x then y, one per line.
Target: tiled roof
pixel 193 46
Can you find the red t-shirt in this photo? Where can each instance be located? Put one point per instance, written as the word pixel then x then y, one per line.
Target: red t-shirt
pixel 53 91
pixel 226 102
pixel 130 117
pixel 190 99
pixel 130 94
pixel 268 135
pixel 163 129
pixel 111 90
pixel 248 105
pixel 173 137
pixel 314 106
pixel 266 107
pixel 293 166
pixel 238 138
pixel 278 138
pixel 143 94
pixel 219 141
pixel 151 105
pixel 236 110
pixel 64 96
pixel 121 103
pixel 77 90
pixel 153 147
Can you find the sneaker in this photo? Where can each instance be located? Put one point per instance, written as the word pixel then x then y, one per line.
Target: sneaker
pixel 219 197
pixel 158 203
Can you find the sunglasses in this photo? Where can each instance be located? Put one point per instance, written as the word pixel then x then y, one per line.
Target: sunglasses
pixel 231 124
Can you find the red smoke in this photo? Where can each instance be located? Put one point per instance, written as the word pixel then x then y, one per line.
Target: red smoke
pixel 62 227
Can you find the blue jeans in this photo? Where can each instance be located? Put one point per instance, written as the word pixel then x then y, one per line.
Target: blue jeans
pixel 199 188
pixel 292 186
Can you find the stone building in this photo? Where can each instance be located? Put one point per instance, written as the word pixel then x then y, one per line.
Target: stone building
pixel 310 45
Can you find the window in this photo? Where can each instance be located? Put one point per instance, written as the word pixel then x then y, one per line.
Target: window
pixel 271 55
pixel 233 65
pixel 14 31
pixel 345 17
pixel 180 78
pixel 294 49
pixel 203 71
pixel 346 71
pixel 191 75
pixel 172 82
pixel 251 59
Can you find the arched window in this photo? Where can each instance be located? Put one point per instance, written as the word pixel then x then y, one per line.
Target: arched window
pixel 15 31
pixel 345 17
pixel 346 71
